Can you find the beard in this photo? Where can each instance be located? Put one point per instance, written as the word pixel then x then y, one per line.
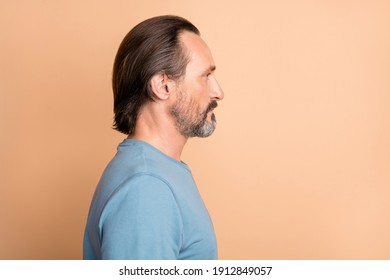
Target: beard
pixel 190 120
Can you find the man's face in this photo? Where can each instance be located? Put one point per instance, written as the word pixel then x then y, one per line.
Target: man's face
pixel 197 92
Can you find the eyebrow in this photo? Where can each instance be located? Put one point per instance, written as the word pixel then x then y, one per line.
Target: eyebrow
pixel 212 68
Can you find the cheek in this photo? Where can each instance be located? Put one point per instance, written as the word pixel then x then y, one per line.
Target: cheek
pixel 194 109
pixel 196 97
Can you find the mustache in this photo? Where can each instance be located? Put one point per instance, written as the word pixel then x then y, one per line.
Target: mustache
pixel 213 104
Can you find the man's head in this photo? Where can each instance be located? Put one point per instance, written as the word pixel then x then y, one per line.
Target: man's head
pixel 167 46
pixel 198 90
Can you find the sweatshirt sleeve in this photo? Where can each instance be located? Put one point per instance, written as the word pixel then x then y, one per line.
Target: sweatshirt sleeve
pixel 141 221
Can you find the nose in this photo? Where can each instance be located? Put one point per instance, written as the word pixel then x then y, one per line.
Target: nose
pixel 216 90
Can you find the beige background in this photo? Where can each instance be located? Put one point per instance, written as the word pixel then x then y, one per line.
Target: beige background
pixel 297 169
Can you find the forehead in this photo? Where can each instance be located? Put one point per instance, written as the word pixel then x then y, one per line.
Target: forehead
pixel 198 51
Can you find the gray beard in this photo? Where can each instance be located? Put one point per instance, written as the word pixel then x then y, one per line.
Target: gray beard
pixel 194 128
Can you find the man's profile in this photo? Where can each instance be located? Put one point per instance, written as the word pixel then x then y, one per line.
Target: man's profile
pixel 146 204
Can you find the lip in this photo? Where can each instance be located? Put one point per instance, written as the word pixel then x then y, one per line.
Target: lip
pixel 212 107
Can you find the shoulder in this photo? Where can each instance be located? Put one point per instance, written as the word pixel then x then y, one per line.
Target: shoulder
pixel 143 190
pixel 143 198
pixel 144 183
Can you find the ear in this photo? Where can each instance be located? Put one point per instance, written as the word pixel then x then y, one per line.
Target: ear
pixel 161 86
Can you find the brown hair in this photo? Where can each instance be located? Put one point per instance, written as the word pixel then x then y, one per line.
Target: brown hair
pixel 151 47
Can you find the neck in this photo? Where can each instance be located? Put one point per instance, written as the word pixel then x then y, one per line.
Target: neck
pixel 159 131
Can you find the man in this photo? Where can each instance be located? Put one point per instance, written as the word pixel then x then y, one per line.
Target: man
pixel 146 205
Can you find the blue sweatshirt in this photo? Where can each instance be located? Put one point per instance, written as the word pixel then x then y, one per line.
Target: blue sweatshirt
pixel 147 206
